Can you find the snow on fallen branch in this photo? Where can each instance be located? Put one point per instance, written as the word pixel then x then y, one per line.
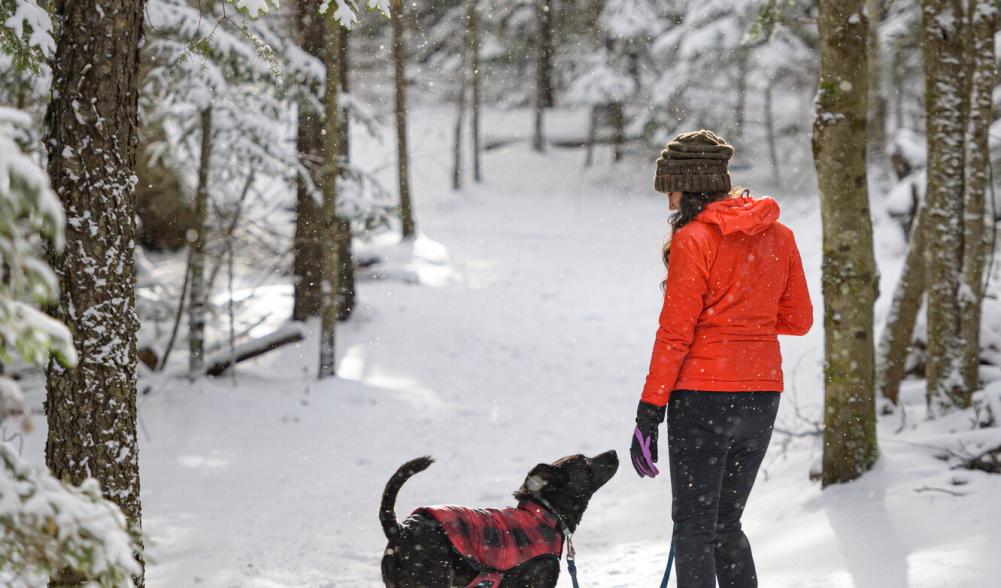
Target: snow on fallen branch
pixel 217 364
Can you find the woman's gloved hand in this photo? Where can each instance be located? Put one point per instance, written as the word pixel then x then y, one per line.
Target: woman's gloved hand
pixel 644 446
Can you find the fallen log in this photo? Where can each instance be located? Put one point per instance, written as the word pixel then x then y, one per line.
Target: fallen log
pixel 218 364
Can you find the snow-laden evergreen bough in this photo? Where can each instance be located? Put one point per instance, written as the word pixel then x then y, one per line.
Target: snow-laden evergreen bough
pixel 45 525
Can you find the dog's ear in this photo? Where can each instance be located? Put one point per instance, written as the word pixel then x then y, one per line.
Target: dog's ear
pixel 543 475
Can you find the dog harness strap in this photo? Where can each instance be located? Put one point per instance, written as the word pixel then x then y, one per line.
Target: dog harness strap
pixel 486 579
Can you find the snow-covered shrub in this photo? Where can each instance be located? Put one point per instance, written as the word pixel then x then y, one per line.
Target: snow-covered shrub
pixel 45 526
pixel 29 213
pixel 25 33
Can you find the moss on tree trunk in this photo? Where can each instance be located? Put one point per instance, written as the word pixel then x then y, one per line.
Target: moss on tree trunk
pixel 849 268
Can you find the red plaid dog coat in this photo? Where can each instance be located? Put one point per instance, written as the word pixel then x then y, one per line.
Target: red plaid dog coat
pixel 496 541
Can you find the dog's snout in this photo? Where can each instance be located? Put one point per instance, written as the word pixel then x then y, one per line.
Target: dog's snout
pixel 607 461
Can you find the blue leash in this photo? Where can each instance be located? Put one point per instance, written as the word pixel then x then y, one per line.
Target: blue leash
pixel 670 562
pixel 572 568
pixel 571 557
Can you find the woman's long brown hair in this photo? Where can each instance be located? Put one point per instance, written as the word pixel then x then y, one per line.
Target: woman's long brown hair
pixel 693 203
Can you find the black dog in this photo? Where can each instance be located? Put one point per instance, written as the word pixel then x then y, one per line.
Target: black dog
pixel 420 555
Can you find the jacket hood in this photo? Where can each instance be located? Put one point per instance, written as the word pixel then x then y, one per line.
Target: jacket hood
pixel 741 214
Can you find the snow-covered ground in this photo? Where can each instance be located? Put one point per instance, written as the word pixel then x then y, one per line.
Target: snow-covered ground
pixel 516 330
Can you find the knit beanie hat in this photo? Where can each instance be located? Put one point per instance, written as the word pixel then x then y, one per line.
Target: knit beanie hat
pixel 694 162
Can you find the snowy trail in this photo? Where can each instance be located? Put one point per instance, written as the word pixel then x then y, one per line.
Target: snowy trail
pixel 528 343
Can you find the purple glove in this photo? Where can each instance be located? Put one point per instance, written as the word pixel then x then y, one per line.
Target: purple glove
pixel 643 449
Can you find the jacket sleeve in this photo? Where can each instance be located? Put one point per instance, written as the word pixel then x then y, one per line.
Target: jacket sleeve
pixel 687 282
pixel 795 315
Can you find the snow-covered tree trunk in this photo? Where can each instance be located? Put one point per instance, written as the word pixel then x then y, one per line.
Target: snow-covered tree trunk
pixel 197 295
pixel 400 65
pixel 92 135
pixel 543 57
pixel 946 105
pixel 983 73
pixel 329 218
pixel 473 47
pixel 307 263
pixel 849 270
pixel 891 360
pixel 877 99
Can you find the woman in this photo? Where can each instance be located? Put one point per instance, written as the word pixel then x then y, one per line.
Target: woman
pixel 734 282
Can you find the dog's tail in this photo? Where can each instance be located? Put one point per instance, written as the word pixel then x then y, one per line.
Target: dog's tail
pixel 387 511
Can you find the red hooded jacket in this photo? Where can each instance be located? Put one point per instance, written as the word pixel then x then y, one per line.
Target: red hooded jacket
pixel 735 280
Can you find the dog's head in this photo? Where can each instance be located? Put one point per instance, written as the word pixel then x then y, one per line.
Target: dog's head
pixel 569 483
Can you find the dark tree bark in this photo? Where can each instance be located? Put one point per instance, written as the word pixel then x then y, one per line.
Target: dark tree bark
pixel 849 272
pixel 946 104
pixel 345 256
pixel 473 37
pixel 400 65
pixel 92 135
pixel 592 131
pixel 330 276
pixel 543 60
pixel 899 331
pixel 307 263
pixel 197 293
pixel 617 113
pixel 460 115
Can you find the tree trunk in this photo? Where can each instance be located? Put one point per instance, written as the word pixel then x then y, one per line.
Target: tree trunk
pixel 91 409
pixel 877 100
pixel 474 73
pixel 460 114
pixel 592 130
pixel 618 115
pixel 307 263
pixel 773 152
pixel 330 274
pixel 343 47
pixel 741 92
pixel 345 263
pixel 945 101
pixel 399 61
pixel 849 272
pixel 543 55
pixel 899 331
pixel 197 294
pixel 163 210
pixel 345 255
pixel 982 71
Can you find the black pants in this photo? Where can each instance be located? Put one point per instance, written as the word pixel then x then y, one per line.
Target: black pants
pixel 716 442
